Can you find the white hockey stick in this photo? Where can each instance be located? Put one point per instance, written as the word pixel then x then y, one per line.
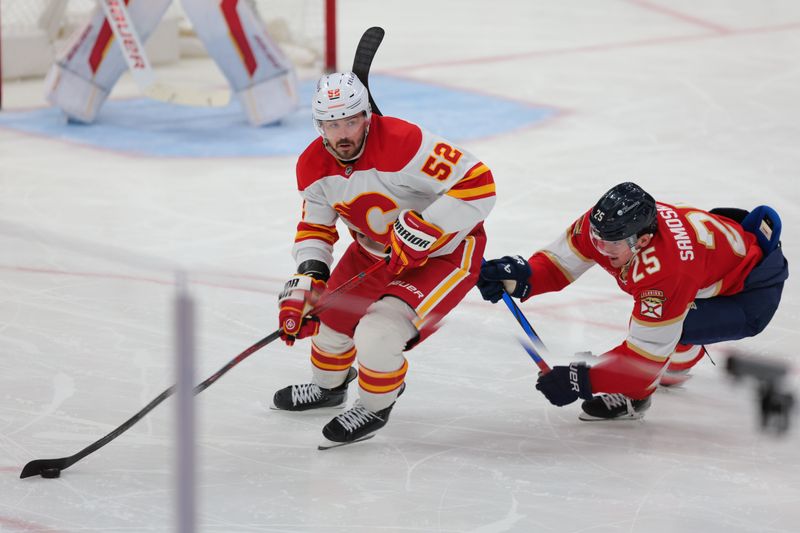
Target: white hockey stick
pixel 132 50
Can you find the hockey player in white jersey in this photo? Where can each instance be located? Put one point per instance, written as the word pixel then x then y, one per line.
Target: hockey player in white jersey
pixel 408 197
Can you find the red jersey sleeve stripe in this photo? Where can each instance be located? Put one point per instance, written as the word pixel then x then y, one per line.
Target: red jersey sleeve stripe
pixel 478 183
pixel 307 231
pixel 477 176
pixel 476 193
pixel 476 172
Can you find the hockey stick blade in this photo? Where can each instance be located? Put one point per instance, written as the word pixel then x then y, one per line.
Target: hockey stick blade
pixel 42 466
pixel 38 466
pixel 365 53
pixel 50 468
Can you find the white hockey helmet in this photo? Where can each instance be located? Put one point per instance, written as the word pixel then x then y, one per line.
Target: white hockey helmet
pixel 339 95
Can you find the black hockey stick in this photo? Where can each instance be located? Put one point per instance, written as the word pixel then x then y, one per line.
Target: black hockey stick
pixel 365 53
pixel 51 468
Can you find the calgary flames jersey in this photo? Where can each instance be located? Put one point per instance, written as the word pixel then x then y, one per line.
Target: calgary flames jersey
pixel 401 167
pixel 693 254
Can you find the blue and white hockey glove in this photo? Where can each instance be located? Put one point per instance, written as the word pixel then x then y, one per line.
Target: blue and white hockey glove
pixel 565 384
pixel 508 273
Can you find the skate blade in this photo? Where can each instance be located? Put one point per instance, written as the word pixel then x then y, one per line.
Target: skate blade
pixel 590 418
pixel 321 410
pixel 328 444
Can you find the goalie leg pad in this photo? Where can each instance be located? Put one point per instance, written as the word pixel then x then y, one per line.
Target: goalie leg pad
pixel 87 70
pixel 271 100
pixel 256 68
pixel 80 99
pixel 380 339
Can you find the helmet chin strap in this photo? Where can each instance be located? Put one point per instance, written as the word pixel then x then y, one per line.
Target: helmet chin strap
pixel 633 244
pixel 634 248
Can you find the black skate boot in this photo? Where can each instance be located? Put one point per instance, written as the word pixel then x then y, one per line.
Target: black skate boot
pixel 354 425
pixel 310 396
pixel 613 407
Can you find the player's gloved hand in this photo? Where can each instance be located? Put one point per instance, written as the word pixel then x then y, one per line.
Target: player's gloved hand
pixel 411 241
pixel 511 273
pixel 565 384
pixel 299 295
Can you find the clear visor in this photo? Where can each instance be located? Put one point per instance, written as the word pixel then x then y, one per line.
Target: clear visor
pixel 609 248
pixel 341 126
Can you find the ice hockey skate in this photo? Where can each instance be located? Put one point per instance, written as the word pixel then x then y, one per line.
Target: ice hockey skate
pixel 308 396
pixel 354 425
pixel 613 407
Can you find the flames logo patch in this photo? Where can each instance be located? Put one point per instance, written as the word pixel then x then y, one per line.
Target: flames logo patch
pixel 370 213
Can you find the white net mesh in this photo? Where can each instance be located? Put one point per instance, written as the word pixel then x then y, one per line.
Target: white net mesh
pixel 297 25
pixel 19 15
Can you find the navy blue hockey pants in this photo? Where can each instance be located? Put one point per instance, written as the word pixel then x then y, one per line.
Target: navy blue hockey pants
pixel 744 314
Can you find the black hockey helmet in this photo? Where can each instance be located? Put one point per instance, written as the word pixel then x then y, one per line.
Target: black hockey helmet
pixel 626 210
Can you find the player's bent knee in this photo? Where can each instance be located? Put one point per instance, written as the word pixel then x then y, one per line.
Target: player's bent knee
pixel 757 324
pixel 761 315
pixel 331 341
pixel 383 332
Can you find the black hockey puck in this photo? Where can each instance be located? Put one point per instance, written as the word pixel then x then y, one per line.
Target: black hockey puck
pixel 51 473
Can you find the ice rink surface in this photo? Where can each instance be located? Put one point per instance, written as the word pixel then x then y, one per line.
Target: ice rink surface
pixel 697 101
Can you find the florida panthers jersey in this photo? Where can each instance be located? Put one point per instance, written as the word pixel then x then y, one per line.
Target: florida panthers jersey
pixel 693 254
pixel 401 167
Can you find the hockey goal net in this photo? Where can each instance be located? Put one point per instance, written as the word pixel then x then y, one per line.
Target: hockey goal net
pixel 33 31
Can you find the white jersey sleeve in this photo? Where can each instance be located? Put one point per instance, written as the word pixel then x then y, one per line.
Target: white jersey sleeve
pixel 316 232
pixel 463 185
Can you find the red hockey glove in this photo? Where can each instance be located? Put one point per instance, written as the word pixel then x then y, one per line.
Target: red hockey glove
pixel 299 295
pixel 411 241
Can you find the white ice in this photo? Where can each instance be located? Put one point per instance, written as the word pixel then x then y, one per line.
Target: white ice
pixel 698 101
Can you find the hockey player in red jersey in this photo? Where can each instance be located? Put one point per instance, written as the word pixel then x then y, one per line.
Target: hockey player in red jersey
pixel 696 278
pixel 407 197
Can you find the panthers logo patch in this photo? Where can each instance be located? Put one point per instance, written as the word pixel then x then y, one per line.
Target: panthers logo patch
pixel 652 303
